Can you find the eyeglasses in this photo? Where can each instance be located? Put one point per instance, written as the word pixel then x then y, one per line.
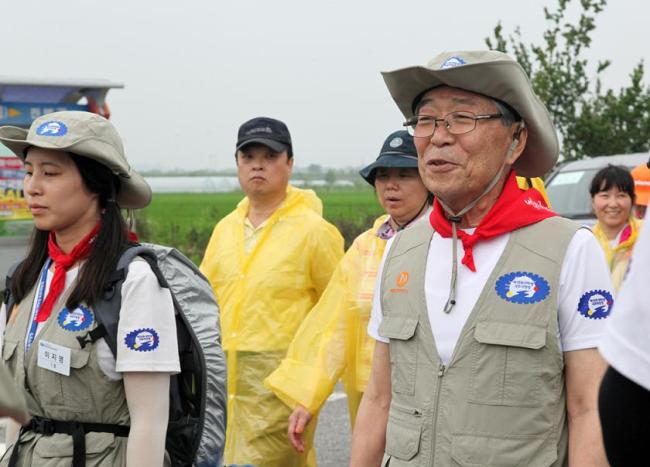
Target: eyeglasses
pixel 456 123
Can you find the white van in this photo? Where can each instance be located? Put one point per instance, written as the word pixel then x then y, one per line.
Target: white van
pixel 568 185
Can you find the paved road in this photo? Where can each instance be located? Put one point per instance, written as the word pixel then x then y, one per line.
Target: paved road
pixel 333 435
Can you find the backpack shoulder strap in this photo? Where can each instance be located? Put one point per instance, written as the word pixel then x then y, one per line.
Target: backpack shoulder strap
pixel 107 309
pixel 8 300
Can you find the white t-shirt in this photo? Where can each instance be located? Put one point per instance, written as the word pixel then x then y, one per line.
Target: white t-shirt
pixel 146 339
pixel 584 276
pixel 626 345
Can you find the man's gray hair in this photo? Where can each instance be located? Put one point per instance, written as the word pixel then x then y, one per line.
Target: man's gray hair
pixel 508 114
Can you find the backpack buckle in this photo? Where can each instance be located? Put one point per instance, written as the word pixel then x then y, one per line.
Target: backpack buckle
pixel 42 425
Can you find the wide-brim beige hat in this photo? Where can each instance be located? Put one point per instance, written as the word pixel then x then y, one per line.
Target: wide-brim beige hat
pixel 492 74
pixel 84 134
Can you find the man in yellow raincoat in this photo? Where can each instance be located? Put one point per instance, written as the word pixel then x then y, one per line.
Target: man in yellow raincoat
pixel 268 261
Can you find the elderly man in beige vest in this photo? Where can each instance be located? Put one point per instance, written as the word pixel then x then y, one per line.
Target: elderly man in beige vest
pixel 487 317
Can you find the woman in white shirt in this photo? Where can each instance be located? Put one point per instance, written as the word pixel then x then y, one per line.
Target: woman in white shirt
pixel 612 197
pixel 88 407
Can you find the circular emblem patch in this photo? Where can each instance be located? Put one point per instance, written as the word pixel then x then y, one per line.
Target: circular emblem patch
pixel 522 287
pixel 452 62
pixel 395 142
pixel 595 304
pixel 78 319
pixel 142 340
pixel 52 128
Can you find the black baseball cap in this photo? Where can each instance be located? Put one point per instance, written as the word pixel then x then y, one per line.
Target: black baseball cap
pixel 397 151
pixel 267 131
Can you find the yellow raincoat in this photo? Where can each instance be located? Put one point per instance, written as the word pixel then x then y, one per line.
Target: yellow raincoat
pixel 332 342
pixel 537 183
pixel 618 257
pixel 264 296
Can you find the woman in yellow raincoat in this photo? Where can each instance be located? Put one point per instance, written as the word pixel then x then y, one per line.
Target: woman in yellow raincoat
pixel 612 197
pixel 332 341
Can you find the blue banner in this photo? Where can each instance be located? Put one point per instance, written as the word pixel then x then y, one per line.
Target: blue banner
pixel 17 114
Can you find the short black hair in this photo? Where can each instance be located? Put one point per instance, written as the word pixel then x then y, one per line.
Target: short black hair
pixel 613 176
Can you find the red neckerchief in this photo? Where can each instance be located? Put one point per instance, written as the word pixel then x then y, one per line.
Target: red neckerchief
pixel 626 234
pixel 515 208
pixel 62 263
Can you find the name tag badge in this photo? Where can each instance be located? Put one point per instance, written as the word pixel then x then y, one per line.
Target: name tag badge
pixel 54 357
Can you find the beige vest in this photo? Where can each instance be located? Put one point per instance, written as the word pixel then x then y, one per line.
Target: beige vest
pixel 501 399
pixel 87 395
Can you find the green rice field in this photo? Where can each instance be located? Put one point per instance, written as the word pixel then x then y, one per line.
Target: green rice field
pixel 186 220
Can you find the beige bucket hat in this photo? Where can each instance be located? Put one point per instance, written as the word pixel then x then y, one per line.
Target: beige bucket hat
pixel 492 74
pixel 84 134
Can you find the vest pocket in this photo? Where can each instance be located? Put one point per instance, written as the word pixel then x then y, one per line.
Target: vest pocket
pixel 8 353
pixel 70 393
pixel 74 387
pixel 507 364
pixel 403 351
pixel 402 434
pixel 8 350
pixel 470 450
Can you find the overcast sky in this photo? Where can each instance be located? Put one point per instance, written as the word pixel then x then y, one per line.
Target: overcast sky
pixel 195 70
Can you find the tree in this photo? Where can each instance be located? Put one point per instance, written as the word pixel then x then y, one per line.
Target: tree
pixel 591 121
pixel 330 177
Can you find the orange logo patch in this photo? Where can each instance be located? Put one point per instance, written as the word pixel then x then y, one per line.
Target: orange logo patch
pixel 402 279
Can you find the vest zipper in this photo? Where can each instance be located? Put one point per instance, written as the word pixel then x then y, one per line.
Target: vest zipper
pixel 441 373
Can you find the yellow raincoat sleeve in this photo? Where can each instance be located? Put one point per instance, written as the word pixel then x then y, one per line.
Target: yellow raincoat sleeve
pixel 332 341
pixel 312 365
pixel 327 250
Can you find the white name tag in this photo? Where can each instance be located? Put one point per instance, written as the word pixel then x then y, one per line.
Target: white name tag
pixel 54 357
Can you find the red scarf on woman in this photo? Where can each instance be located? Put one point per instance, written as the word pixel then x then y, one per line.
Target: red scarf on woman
pixel 515 208
pixel 62 263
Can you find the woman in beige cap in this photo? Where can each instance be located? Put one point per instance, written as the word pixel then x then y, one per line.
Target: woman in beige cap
pixel 88 407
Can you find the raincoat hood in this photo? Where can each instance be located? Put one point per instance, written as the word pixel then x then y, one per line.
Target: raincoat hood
pixel 296 198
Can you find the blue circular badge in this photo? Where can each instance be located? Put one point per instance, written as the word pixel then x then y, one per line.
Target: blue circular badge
pixel 452 62
pixel 52 128
pixel 75 320
pixel 522 287
pixel 596 304
pixel 142 340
